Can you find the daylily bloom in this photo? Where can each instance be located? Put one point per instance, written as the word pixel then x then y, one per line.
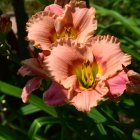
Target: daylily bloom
pixel 74 21
pixel 85 75
pixel 32 67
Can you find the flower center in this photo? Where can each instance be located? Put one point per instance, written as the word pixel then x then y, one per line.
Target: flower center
pixel 86 74
pixel 68 32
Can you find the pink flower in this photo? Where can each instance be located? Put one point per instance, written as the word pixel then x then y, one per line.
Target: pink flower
pixel 32 67
pixel 74 21
pixel 85 75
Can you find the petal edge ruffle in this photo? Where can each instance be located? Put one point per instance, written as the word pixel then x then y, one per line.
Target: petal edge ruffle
pixel 109 55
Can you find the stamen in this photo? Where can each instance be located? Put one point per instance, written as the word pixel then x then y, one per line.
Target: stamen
pixel 86 74
pixel 68 32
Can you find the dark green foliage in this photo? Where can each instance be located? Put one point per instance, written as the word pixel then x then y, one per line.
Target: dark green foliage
pixel 118 120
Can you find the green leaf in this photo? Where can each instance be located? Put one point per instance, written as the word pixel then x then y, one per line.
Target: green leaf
pixel 38 123
pixel 45 2
pixel 136 136
pixel 100 132
pixel 130 41
pixel 29 109
pixel 101 129
pixel 2 138
pixel 66 134
pixel 16 92
pixel 96 116
pixel 121 135
pixel 131 52
pixel 7 134
pixel 10 90
pixel 129 102
pixel 118 17
pixel 37 137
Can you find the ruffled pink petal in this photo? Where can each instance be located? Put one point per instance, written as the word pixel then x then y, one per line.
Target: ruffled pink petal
pixel 55 95
pixel 54 8
pixel 61 61
pixel 117 83
pixel 24 70
pixel 85 23
pixel 109 55
pixel 87 99
pixel 65 20
pixel 40 28
pixel 133 86
pixel 33 67
pixel 70 84
pixel 30 86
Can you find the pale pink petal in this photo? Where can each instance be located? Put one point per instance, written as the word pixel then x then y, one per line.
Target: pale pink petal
pixel 65 20
pixel 109 55
pixel 54 8
pixel 87 53
pixel 55 95
pixel 25 70
pixel 61 61
pixel 33 67
pixel 87 99
pixel 85 23
pixel 133 86
pixel 40 28
pixel 117 84
pixel 70 84
pixel 30 86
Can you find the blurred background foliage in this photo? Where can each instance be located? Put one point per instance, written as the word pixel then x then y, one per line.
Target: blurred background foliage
pixel 118 120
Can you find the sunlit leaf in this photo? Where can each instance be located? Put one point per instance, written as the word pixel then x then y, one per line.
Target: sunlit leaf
pixel 29 109
pixel 16 92
pixel 37 137
pixel 129 102
pixel 136 136
pixel 38 123
pixel 96 116
pixel 126 23
pixel 2 138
